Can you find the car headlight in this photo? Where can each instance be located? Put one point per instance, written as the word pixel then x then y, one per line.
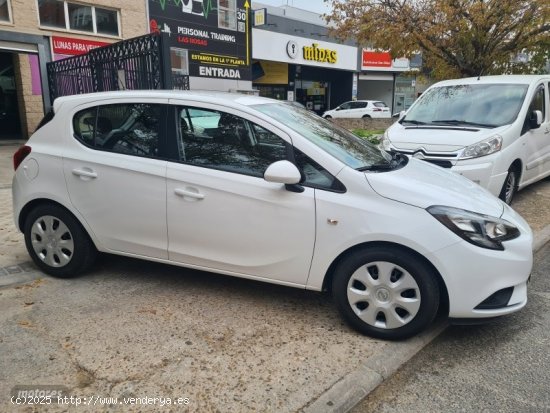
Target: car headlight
pixel 478 229
pixel 385 143
pixel 483 148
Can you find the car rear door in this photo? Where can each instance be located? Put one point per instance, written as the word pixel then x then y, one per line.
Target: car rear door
pixel 116 174
pixel 222 214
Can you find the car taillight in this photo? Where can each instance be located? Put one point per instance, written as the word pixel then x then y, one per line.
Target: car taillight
pixel 21 154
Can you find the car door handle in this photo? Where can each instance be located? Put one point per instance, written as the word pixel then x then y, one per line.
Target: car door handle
pixel 186 193
pixel 87 173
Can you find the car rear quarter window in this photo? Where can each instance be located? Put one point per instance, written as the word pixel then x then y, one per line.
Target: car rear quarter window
pixel 131 129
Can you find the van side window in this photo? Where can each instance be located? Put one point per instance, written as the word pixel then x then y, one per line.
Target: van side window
pixel 538 103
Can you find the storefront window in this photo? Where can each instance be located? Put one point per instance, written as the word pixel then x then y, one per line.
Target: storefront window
pixel 227 14
pixel 52 13
pixel 4 11
pixel 404 93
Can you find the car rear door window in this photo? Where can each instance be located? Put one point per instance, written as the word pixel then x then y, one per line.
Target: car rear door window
pixel 131 129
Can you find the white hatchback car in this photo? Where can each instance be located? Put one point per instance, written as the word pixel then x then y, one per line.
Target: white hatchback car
pixel 359 109
pixel 256 188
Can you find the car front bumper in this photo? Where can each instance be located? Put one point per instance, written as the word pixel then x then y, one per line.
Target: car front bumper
pixel 470 282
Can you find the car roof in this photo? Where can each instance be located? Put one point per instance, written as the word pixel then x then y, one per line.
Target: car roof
pixel 511 79
pixel 200 96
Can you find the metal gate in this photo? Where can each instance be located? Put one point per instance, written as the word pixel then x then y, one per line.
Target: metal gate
pixel 138 63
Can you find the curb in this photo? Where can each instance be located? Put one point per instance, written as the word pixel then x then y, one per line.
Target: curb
pixel 349 390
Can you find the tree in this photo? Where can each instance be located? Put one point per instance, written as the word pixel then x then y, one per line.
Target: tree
pixel 457 38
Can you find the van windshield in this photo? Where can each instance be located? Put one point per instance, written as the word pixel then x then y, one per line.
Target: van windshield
pixel 343 145
pixel 479 105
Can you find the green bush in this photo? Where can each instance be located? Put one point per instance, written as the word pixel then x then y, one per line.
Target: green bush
pixel 373 136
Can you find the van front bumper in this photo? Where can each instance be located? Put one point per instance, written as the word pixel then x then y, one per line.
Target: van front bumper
pixel 481 174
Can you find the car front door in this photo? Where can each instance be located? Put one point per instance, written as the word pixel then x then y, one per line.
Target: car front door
pixel 116 178
pixel 222 214
pixel 538 139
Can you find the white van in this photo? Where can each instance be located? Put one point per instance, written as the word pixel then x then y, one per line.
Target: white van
pixel 494 130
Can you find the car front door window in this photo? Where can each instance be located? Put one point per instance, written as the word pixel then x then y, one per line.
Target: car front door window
pixel 220 140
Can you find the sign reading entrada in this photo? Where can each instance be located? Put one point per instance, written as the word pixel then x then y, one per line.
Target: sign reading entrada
pixel 317 54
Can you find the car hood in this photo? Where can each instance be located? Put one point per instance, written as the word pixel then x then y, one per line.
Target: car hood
pixel 422 184
pixel 438 138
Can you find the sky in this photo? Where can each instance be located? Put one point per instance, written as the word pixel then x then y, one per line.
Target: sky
pixel 318 6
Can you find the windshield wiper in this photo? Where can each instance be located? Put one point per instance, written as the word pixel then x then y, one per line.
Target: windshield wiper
pixel 412 121
pixel 463 122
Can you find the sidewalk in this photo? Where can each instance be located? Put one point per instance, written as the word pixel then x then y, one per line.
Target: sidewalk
pixel 360 363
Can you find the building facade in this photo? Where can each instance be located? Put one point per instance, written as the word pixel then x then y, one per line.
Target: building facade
pixel 34 32
pixel 294 58
pixel 209 41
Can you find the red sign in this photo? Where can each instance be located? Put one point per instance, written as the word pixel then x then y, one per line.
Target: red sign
pixel 376 59
pixel 71 46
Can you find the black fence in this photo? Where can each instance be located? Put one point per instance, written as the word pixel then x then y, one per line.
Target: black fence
pixel 139 63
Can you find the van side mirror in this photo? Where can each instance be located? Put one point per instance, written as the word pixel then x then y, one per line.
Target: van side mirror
pixel 535 119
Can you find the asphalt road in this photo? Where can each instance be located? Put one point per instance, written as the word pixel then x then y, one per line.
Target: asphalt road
pixel 498 367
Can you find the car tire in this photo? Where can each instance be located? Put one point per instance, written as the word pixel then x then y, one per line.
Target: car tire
pixel 510 186
pixel 386 293
pixel 328 117
pixel 366 117
pixel 57 242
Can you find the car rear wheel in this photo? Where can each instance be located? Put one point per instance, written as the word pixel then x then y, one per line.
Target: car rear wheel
pixel 510 186
pixel 57 242
pixel 366 116
pixel 386 293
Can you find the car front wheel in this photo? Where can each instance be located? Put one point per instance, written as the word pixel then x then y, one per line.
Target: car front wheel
pixel 57 242
pixel 386 293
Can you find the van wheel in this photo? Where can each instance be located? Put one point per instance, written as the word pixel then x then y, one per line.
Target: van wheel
pixel 57 242
pixel 386 293
pixel 510 186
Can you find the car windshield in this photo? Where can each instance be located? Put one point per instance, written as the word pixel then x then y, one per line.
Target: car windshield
pixel 343 145
pixel 479 105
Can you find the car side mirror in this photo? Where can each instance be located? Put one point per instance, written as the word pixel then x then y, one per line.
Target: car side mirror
pixel 402 113
pixel 535 119
pixel 282 172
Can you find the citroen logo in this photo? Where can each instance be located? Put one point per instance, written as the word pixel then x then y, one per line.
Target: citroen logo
pixel 419 154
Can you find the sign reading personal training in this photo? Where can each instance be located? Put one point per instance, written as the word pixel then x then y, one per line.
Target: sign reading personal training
pixel 208 38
